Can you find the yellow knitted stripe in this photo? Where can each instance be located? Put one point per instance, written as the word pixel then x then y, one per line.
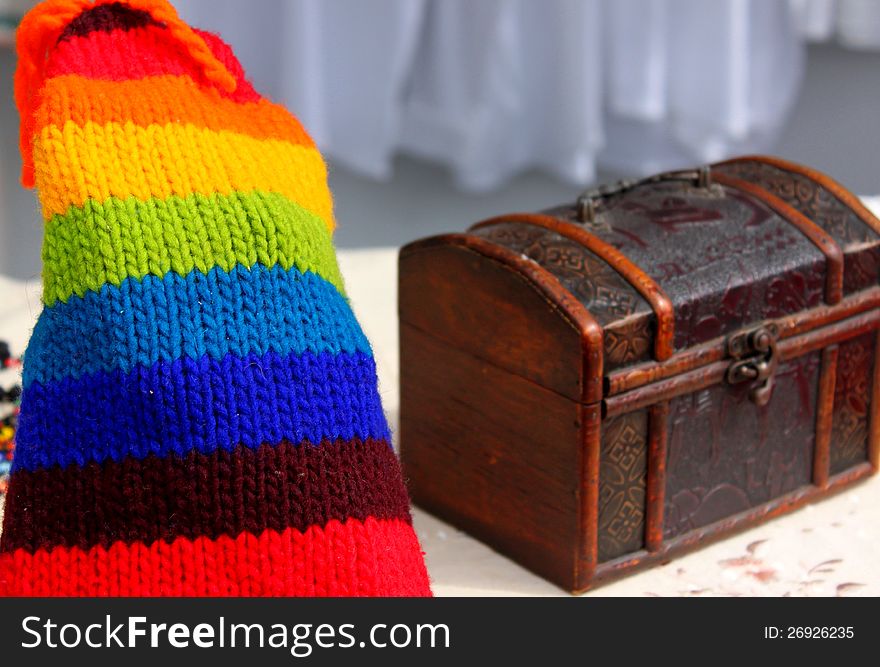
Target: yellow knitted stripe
pixel 106 242
pixel 75 163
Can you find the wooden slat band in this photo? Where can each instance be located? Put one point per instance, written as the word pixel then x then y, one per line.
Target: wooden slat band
pixel 714 350
pixel 825 416
pixel 592 334
pixel 635 276
pixel 824 181
pixel 658 420
pixel 587 558
pixel 817 236
pixel 711 374
pixel 874 427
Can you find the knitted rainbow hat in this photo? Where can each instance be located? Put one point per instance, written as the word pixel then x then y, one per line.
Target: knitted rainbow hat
pixel 200 412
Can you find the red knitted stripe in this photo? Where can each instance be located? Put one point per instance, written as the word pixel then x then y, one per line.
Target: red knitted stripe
pixel 203 495
pixel 369 558
pixel 119 55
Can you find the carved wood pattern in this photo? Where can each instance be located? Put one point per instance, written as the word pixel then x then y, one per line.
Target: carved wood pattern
pixel 860 243
pixel 628 341
pixel 807 196
pixel 726 455
pixel 723 258
pixel 852 401
pixel 601 289
pixel 622 471
pixel 616 305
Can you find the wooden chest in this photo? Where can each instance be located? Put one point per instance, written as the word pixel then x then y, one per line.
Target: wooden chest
pixel 598 387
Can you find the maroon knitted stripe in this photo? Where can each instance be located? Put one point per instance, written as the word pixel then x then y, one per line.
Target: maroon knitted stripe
pixel 222 493
pixel 107 17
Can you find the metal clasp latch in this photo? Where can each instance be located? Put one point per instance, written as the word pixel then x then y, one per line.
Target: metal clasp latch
pixel 755 359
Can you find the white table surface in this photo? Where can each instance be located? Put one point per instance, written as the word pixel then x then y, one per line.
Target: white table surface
pixel 831 548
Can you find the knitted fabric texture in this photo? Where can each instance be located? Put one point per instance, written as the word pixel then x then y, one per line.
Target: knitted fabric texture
pixel 200 413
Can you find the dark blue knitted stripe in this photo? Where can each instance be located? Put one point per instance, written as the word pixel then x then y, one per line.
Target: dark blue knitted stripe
pixel 202 405
pixel 244 311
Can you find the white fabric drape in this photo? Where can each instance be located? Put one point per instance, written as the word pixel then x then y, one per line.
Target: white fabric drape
pixel 497 86
pixel 854 23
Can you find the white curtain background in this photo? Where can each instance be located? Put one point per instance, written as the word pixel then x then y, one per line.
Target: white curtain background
pixel 497 86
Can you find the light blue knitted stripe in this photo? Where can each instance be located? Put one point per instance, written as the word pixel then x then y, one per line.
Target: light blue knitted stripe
pixel 240 312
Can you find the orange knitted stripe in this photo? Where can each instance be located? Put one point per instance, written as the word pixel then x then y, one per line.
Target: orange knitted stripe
pixel 160 100
pixel 40 29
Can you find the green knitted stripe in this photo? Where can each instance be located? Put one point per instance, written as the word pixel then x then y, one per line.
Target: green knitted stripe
pixel 105 243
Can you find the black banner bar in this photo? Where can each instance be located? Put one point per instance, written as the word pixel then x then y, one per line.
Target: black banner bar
pixel 440 631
